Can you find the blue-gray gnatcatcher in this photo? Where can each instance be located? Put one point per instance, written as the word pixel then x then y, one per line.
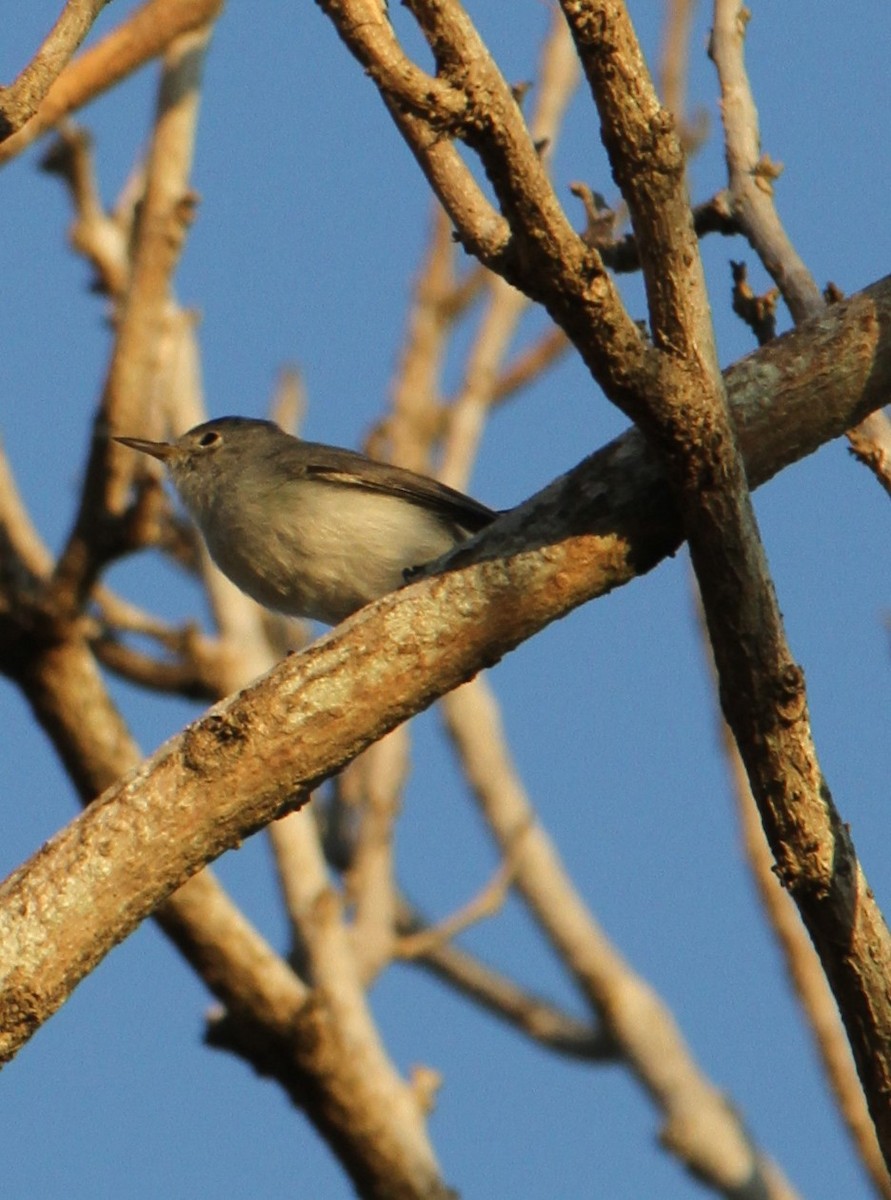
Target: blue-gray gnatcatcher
pixel 307 529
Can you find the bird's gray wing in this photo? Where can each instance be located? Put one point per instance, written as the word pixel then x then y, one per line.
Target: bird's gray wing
pixel 345 468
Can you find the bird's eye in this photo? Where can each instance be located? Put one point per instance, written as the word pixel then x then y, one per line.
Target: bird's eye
pixel 208 439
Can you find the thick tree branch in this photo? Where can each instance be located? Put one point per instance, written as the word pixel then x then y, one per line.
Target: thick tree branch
pixel 762 688
pixel 254 756
pixel 809 982
pixel 648 164
pixel 751 194
pixel 320 1044
pixel 356 1100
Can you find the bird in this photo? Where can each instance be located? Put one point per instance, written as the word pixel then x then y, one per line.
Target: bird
pixel 306 529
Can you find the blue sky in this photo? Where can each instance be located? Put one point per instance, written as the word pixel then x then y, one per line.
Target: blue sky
pixel 312 219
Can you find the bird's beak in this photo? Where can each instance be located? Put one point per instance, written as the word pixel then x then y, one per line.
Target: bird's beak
pixel 159 450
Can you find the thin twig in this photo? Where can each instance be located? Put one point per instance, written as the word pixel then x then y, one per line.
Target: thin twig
pixel 530 363
pixel 758 312
pixel 750 181
pixel 751 177
pixel 486 903
pixel 533 1016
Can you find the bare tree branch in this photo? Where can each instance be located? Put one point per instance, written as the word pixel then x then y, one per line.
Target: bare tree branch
pixel 762 688
pixel 589 532
pixel 699 1125
pixel 104 239
pixel 259 755
pixel 328 1060
pixel 486 903
pixel 751 178
pixel 133 370
pixel 408 432
pixel 810 984
pixel 870 442
pixel 529 363
pixel 19 101
pixel 378 776
pixel 139 39
pixel 558 79
pixel 673 72
pixel 533 1016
